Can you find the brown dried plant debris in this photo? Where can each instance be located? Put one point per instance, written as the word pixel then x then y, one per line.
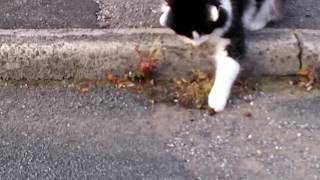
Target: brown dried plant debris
pixel 143 72
pixel 307 78
pixel 194 92
pixel 248 115
pixel 85 89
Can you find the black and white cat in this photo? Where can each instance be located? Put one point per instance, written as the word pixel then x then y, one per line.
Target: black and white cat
pixel 197 21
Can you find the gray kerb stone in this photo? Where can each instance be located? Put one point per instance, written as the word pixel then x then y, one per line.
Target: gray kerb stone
pixel 310 46
pixel 90 54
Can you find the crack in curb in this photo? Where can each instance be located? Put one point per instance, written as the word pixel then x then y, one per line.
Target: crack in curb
pixel 300 54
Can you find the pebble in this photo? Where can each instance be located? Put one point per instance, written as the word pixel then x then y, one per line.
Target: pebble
pixel 278 148
pixel 170 145
pixel 259 152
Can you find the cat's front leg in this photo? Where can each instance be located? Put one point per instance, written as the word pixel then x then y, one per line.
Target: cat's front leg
pixel 227 70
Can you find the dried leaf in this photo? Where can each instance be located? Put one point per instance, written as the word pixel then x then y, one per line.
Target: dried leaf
pixel 308 77
pixel 248 115
pixel 146 68
pixel 309 72
pixel 155 49
pixel 195 92
pixel 84 90
pixel 112 78
pixel 200 75
pixel 154 53
pixel 147 63
pixel 135 76
pixel 125 84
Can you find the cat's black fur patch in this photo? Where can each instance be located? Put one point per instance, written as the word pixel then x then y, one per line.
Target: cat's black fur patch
pixel 193 15
pixel 236 30
pixel 259 4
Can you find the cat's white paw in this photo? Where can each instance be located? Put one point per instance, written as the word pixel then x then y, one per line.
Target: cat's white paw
pixel 227 70
pixel 217 100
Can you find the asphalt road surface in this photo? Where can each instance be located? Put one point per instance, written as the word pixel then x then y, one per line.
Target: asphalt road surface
pixel 35 14
pixel 58 132
pixel 121 14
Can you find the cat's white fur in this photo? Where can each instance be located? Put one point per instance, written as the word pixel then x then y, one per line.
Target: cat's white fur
pixel 214 13
pixel 227 70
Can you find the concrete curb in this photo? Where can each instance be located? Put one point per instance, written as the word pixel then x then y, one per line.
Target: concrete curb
pixel 309 42
pixel 90 53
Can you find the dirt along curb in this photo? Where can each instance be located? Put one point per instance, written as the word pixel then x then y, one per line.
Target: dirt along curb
pixel 91 53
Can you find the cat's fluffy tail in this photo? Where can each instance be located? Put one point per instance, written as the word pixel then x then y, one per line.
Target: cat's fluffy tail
pixel 257 18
